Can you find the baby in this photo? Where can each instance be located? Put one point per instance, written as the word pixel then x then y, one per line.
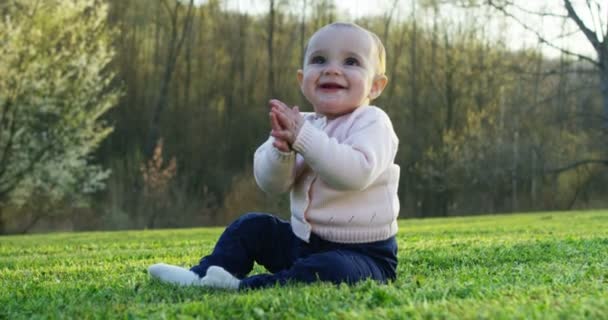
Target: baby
pixel 338 165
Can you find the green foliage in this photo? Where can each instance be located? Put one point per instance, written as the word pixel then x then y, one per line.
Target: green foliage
pixel 55 86
pixel 478 123
pixel 550 265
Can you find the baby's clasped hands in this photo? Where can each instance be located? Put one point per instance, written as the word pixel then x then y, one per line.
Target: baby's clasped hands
pixel 280 144
pixel 285 123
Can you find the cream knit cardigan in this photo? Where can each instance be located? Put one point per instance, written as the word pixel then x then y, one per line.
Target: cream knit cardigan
pixel 341 175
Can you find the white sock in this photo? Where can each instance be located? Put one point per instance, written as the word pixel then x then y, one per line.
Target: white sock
pixel 217 277
pixel 174 274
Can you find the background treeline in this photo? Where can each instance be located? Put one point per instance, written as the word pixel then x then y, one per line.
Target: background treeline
pixel 483 128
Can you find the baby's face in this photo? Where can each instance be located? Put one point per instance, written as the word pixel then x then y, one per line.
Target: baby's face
pixel 339 72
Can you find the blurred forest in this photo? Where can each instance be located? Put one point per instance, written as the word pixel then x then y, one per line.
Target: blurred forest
pixel 184 87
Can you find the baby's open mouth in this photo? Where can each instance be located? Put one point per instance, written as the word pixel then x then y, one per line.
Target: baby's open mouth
pixel 331 86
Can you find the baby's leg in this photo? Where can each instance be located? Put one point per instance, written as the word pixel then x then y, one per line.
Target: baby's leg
pixel 219 278
pixel 253 237
pixel 174 274
pixel 334 266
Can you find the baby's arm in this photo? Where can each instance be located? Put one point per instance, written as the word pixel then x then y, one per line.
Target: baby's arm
pixel 273 169
pixel 356 162
pixel 274 161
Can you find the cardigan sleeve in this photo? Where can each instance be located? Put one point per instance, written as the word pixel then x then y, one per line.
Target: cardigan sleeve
pixel 356 162
pixel 273 170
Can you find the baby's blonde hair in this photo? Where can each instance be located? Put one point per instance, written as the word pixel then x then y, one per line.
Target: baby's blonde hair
pixel 381 66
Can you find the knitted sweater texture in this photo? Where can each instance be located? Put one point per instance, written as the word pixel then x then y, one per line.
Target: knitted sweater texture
pixel 341 176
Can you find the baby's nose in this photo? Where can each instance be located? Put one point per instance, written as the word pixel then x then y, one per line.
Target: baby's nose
pixel 332 69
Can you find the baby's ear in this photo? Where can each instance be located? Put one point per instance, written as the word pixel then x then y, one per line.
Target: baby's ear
pixel 300 76
pixel 378 85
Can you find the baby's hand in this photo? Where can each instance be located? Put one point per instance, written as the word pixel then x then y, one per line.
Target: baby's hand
pixel 289 121
pixel 278 143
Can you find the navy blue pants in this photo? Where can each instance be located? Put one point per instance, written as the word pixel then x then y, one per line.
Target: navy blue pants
pixel 270 242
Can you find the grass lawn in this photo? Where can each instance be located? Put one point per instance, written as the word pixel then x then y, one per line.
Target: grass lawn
pixel 544 265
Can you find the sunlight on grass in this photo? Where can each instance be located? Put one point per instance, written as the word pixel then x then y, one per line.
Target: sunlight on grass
pixel 542 265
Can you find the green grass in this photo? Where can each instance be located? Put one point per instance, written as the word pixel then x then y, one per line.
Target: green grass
pixel 526 266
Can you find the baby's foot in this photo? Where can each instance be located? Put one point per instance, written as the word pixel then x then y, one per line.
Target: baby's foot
pixel 217 277
pixel 174 275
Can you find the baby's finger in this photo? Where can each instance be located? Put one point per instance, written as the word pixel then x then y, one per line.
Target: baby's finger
pixel 284 146
pixel 295 112
pixel 278 134
pixel 272 119
pixel 285 120
pixel 273 103
pixel 281 145
pixel 282 135
pixel 274 123
pixel 278 104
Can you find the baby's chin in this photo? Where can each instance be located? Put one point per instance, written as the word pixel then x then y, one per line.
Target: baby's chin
pixel 333 111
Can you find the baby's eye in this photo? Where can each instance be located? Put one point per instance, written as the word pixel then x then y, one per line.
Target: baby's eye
pixel 317 60
pixel 351 62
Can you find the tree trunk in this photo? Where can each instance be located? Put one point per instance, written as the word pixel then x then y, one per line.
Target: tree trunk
pixel 188 80
pixel 450 98
pixel 514 191
pixel 533 179
pixel 396 57
pixel 303 32
pixel 157 36
pixel 604 83
pixel 2 222
pixel 435 203
pixel 388 20
pixel 415 147
pixel 270 48
pixel 175 44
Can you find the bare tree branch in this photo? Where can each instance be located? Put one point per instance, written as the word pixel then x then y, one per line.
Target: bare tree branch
pixel 303 31
pixel 175 45
pixel 598 22
pixel 552 71
pixel 540 37
pixel 593 17
pixel 538 13
pixel 604 23
pixel 187 28
pixel 591 36
pixel 566 35
pixel 576 165
pixel 389 18
pixel 166 5
pixel 505 3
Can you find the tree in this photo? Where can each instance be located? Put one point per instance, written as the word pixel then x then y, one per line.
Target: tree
pixel 594 30
pixel 479 123
pixel 178 34
pixel 55 86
